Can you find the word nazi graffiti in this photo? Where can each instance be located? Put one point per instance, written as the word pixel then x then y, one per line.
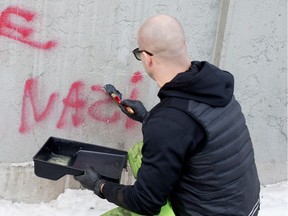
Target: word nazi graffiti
pixel 74 105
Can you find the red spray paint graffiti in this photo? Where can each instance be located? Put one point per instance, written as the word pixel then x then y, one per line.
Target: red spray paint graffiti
pixel 75 106
pixel 21 33
pixel 30 93
pixel 136 78
pixel 95 110
pixel 73 101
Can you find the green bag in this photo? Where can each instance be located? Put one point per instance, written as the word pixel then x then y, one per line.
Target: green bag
pixel 135 158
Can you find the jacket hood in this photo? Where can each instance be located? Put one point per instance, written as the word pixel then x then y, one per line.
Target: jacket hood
pixel 202 82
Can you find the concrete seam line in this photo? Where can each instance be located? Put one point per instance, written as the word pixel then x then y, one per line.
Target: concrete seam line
pixel 220 31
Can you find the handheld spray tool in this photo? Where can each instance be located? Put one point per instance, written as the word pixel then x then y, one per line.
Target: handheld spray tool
pixel 116 96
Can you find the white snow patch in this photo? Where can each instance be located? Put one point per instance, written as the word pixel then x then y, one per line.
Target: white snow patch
pixel 274 201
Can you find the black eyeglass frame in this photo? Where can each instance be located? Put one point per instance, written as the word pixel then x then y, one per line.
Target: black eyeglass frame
pixel 136 53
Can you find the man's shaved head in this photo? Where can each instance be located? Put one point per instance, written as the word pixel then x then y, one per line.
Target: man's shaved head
pixel 162 35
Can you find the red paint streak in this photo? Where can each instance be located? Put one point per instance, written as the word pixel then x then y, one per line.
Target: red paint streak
pixel 30 92
pixel 21 33
pixel 137 77
pixel 73 102
pixel 134 94
pixel 96 109
pixel 97 88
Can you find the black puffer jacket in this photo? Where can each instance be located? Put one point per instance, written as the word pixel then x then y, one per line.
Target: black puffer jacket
pixel 197 151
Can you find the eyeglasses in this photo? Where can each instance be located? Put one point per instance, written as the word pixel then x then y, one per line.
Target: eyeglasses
pixel 137 53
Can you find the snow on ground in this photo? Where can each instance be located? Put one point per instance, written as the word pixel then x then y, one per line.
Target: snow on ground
pixel 274 202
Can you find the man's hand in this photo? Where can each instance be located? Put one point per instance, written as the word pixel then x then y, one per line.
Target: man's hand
pixel 138 108
pixel 91 180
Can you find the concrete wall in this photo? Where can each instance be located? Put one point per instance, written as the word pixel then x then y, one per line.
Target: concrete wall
pixel 255 51
pixel 56 55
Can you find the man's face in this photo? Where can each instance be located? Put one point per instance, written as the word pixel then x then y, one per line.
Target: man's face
pixel 145 55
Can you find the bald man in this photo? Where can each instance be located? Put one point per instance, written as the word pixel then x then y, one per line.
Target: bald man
pixel 197 150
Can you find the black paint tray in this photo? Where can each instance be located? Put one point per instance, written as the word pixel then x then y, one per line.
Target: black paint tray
pixel 59 157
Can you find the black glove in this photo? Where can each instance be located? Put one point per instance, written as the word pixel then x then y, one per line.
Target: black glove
pixel 138 108
pixel 91 180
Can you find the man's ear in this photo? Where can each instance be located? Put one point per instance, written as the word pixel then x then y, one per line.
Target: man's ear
pixel 186 44
pixel 148 59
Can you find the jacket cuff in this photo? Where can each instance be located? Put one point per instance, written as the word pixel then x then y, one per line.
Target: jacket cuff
pixel 97 189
